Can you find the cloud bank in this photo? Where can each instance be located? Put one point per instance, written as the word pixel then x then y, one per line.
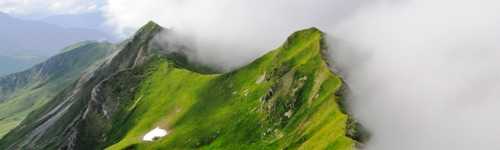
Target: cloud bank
pixel 424 73
pixel 230 33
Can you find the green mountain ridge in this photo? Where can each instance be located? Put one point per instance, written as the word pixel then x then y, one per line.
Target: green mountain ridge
pixel 286 99
pixel 23 92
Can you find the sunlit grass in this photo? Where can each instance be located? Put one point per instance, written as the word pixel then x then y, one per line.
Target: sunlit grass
pixel 232 111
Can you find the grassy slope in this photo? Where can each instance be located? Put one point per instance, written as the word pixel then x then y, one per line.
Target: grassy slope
pixel 234 110
pixel 37 93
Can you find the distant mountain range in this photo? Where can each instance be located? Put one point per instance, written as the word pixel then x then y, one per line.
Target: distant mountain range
pixel 94 21
pixel 10 64
pixel 23 92
pixel 24 43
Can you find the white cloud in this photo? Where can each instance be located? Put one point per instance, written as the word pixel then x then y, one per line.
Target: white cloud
pixel 428 75
pixel 248 28
pixel 47 7
pixel 424 73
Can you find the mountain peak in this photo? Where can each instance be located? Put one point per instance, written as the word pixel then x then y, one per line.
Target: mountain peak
pixel 147 32
pixel 151 23
pixel 300 47
pixel 150 26
pixel 301 38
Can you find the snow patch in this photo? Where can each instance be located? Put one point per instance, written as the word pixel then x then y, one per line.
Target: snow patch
pixel 155 134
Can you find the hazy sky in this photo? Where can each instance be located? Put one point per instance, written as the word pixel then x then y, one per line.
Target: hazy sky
pixel 42 8
pixel 424 73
